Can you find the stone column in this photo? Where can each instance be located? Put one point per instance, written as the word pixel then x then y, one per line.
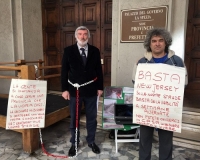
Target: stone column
pixel 20 32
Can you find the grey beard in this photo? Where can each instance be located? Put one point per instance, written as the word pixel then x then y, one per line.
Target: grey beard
pixel 82 43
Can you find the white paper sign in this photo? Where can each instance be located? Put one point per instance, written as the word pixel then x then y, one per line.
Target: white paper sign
pixel 26 104
pixel 158 96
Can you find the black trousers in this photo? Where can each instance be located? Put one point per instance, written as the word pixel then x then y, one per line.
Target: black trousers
pixel 90 104
pixel 165 143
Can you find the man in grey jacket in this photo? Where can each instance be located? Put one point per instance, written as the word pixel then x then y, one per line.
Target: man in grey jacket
pixel 157 44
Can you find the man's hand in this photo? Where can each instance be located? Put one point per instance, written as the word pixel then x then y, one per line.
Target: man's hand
pixel 99 92
pixel 66 95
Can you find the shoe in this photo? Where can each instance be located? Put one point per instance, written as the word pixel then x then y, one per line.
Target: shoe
pixel 94 147
pixel 72 151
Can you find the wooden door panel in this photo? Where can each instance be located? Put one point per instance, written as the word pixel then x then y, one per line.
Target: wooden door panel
pixel 68 38
pixel 68 22
pixel 51 36
pixel 106 54
pixel 107 11
pixel 90 17
pixel 52 44
pixel 192 50
pixel 194 75
pixel 69 14
pixel 51 40
pixel 94 39
pixel 89 12
pixel 106 39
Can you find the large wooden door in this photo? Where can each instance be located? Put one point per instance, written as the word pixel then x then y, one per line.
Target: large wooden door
pixel 62 17
pixel 192 50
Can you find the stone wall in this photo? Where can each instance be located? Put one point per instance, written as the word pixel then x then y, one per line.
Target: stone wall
pixel 20 33
pixel 125 55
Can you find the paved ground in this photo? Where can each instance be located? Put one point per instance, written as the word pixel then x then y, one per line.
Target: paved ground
pixel 56 141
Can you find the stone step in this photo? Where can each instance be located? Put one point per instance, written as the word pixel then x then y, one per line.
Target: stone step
pixel 190 132
pixel 189 136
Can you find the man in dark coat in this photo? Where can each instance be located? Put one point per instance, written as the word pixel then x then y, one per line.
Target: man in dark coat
pixel 82 73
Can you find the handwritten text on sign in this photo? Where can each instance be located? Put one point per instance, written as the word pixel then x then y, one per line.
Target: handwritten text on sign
pixel 26 104
pixel 158 96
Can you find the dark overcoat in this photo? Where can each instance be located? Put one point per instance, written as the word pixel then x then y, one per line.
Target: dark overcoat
pixel 74 70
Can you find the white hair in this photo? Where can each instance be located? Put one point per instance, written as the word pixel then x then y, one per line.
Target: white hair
pixel 82 28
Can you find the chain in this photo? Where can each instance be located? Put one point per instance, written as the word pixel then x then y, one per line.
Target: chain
pixel 76 85
pixel 76 130
pixel 43 149
pixel 36 69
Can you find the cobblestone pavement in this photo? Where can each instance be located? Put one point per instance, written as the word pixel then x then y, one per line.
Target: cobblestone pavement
pixel 56 141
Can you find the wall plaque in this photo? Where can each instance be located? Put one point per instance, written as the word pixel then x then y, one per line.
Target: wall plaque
pixel 136 22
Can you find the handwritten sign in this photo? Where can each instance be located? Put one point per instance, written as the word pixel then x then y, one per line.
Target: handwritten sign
pixel 158 96
pixel 136 22
pixel 26 104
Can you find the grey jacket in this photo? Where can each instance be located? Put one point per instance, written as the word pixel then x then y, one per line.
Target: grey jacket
pixel 171 60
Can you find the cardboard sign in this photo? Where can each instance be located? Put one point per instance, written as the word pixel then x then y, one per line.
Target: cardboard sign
pixel 158 96
pixel 26 104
